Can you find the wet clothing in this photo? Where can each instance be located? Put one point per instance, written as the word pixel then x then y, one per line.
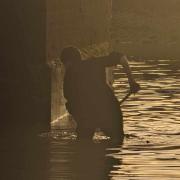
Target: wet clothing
pixel 90 100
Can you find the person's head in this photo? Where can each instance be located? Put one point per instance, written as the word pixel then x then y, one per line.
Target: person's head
pixel 70 55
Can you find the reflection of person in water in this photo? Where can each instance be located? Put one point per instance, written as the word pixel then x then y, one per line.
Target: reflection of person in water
pixel 84 160
pixel 90 100
pixel 92 161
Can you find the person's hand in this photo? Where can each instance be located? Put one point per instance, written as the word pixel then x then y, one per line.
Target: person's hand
pixel 134 87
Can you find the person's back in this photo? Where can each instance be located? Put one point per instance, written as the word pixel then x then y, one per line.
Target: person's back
pixel 90 100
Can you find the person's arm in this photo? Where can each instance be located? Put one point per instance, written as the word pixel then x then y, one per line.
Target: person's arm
pixel 115 58
pixel 134 86
pixel 108 61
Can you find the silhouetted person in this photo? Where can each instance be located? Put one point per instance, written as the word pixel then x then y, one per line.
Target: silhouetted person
pixel 90 100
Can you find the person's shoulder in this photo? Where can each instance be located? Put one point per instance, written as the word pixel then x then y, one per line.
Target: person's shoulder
pixel 89 61
pixel 115 55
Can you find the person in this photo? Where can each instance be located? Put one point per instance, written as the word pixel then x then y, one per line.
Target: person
pixel 90 100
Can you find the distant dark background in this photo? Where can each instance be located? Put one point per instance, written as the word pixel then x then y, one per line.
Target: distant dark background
pixel 147 28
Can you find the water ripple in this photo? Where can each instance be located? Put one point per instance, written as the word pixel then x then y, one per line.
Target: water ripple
pixel 151 147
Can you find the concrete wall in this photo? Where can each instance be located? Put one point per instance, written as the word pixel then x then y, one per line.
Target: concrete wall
pixel 33 34
pixel 147 28
pixel 25 77
pixel 82 23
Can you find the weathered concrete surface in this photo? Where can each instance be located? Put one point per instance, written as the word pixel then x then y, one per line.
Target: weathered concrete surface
pixel 80 23
pixel 147 28
pixel 25 77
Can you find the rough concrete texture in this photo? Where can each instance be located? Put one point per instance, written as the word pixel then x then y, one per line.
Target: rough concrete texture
pixel 25 76
pixel 80 23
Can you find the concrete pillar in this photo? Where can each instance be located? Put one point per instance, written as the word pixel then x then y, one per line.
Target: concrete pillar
pixel 25 77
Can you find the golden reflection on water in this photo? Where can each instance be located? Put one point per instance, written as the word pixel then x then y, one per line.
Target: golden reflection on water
pixel 151 150
pixel 153 118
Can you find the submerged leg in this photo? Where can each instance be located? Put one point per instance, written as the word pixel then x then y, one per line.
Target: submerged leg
pixel 84 132
pixel 115 126
pixel 85 128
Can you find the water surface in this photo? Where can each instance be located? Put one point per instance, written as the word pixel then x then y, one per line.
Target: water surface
pixel 149 151
pixel 151 148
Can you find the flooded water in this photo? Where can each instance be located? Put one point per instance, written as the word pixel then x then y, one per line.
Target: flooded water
pixel 153 118
pixel 151 148
pixel 149 151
